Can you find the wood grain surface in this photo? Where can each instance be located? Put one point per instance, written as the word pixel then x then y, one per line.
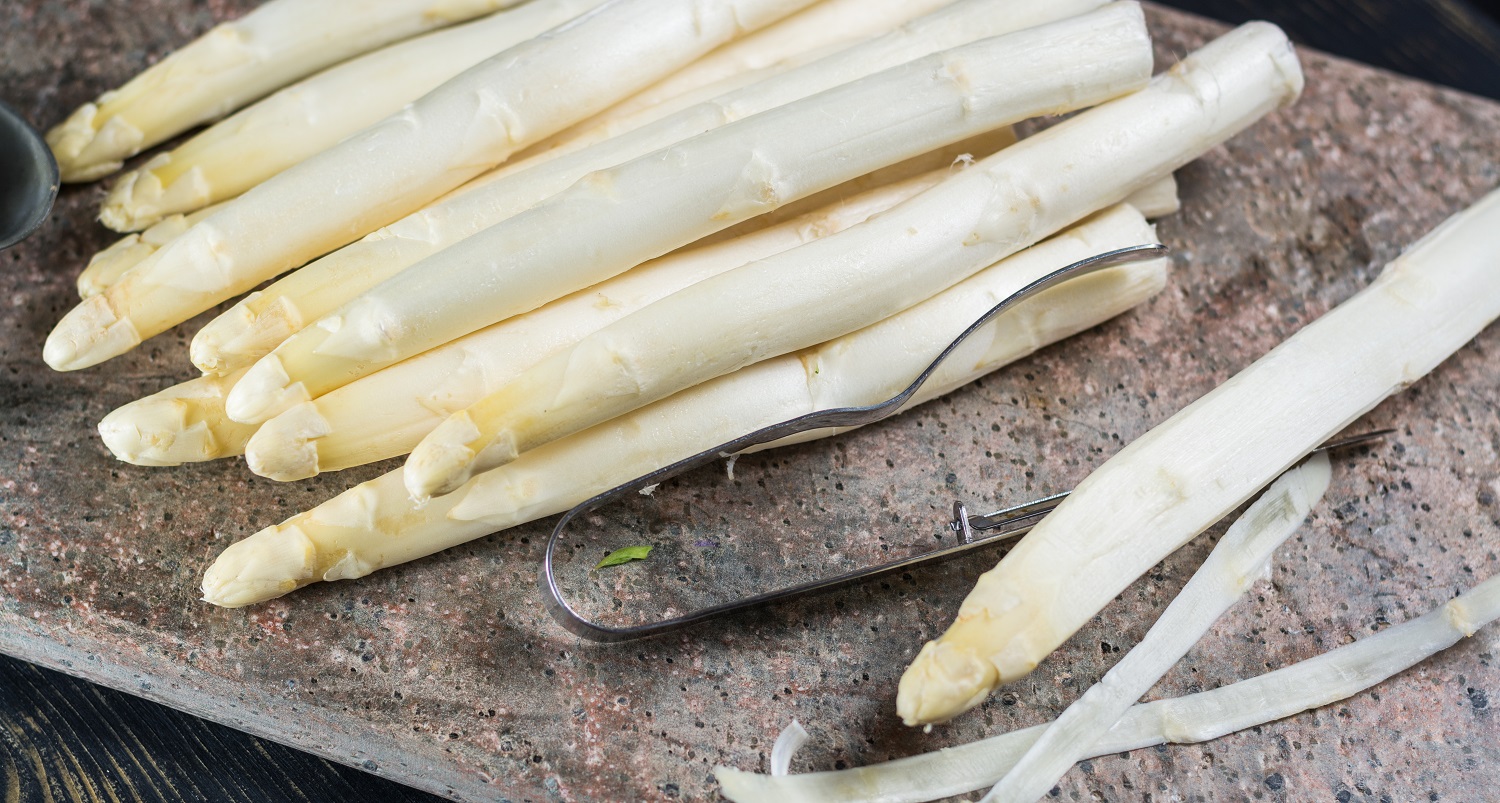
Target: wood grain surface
pixel 62 739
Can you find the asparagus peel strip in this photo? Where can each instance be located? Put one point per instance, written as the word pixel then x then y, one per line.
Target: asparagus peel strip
pixel 234 64
pixel 464 127
pixel 1241 556
pixel 252 329
pixel 838 284
pixel 387 413
pixel 1184 474
pixel 1335 675
pixel 375 524
pixel 315 114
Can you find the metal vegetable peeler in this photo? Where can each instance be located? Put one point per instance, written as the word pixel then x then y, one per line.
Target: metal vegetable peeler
pixel 29 178
pixel 974 531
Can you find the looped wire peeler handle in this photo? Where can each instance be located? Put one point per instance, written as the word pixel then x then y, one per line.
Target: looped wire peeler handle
pixel 997 526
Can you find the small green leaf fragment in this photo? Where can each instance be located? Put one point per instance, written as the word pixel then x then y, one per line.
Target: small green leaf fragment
pixel 624 555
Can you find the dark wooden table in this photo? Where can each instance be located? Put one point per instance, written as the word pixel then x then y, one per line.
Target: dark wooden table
pixel 64 739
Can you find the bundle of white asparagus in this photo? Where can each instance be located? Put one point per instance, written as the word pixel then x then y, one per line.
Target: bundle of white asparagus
pixel 567 243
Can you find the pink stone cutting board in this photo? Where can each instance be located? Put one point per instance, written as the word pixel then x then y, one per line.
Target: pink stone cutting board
pixel 445 674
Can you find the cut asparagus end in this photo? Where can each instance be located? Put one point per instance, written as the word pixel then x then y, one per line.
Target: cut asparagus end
pixel 266 565
pixel 265 391
pixel 89 334
pixel 284 447
pixel 182 424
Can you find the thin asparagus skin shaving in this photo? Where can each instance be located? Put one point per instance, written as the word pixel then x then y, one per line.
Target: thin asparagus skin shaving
pixel 652 204
pixel 457 131
pixel 838 284
pixel 387 413
pixel 375 525
pixel 234 64
pixel 1241 556
pixel 1335 675
pixel 267 318
pixel 315 114
pixel 1172 483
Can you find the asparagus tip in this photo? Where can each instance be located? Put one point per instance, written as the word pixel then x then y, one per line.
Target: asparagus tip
pixel 87 148
pixel 444 460
pixel 944 681
pixel 265 391
pixel 89 334
pixel 139 199
pixel 264 566
pixel 244 334
pixel 285 448
pixel 155 431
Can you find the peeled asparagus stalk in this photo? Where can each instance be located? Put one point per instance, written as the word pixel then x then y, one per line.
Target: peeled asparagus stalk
pixel 1335 675
pixel 387 413
pixel 457 131
pixel 107 266
pixel 841 283
pixel 1166 487
pixel 819 30
pixel 234 64
pixel 375 525
pixel 1240 557
pixel 650 205
pixel 182 424
pixel 252 329
pixel 311 116
pixel 379 423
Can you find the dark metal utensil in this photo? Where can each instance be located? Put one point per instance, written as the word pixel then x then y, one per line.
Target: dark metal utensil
pixel 28 178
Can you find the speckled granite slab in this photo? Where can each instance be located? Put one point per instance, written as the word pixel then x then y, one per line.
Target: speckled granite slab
pixel 446 674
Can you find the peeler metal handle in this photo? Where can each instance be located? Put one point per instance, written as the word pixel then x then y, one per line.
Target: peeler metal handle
pixel 1005 524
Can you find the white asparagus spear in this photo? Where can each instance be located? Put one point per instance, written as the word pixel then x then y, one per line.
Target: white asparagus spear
pixel 457 131
pixel 385 414
pixel 138 430
pixel 315 114
pixel 1335 675
pixel 819 30
pixel 106 267
pixel 1170 484
pixel 234 64
pixel 375 525
pixel 182 424
pixel 650 205
pixel 265 319
pixel 1240 557
pixel 841 283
